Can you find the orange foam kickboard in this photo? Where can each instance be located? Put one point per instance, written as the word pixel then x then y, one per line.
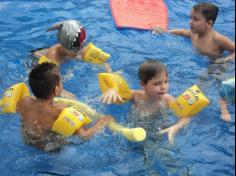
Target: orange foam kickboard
pixel 139 14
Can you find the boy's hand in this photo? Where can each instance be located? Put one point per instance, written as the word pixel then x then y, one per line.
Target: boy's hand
pixel 104 121
pixel 107 119
pixel 171 131
pixel 157 30
pixel 225 59
pixel 111 96
pixel 225 114
pixel 108 68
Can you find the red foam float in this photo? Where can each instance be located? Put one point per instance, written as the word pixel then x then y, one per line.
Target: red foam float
pixel 140 14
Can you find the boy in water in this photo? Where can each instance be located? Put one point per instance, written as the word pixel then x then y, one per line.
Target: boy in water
pixel 207 40
pixel 154 97
pixel 202 34
pixel 71 37
pixel 39 113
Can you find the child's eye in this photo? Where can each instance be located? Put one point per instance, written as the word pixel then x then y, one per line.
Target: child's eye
pixel 157 83
pixel 195 19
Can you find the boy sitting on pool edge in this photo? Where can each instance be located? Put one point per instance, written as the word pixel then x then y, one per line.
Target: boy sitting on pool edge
pixel 39 113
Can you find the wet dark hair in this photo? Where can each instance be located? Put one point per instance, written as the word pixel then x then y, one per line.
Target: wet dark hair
pixel 43 79
pixel 150 69
pixel 208 10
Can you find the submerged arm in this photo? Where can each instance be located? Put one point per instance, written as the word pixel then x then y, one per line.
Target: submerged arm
pixel 172 131
pixel 226 45
pixel 87 133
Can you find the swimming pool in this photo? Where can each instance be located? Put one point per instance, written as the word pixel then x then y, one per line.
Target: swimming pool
pixel 205 147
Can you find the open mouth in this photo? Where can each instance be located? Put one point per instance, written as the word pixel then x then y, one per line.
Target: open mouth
pixel 161 93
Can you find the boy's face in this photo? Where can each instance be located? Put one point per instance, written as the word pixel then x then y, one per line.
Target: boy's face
pixel 157 87
pixel 198 23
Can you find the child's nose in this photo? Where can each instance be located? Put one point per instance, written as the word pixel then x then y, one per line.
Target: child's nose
pixel 191 22
pixel 163 86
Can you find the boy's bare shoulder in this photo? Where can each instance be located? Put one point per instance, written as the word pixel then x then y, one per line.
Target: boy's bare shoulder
pixel 26 100
pixel 219 38
pixel 138 94
pixel 60 106
pixel 224 42
pixel 169 99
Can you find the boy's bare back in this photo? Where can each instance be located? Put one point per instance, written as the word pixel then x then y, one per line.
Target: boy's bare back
pixel 37 116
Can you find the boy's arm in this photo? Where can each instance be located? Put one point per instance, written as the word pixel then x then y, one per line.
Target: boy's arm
pixel 181 32
pixel 171 131
pixel 89 132
pixel 39 52
pixel 225 115
pixel 226 45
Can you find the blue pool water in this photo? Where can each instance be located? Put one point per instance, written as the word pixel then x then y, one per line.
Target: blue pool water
pixel 205 147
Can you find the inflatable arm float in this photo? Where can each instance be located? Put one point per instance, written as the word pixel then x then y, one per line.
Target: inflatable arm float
pixel 132 134
pixel 190 103
pixel 14 93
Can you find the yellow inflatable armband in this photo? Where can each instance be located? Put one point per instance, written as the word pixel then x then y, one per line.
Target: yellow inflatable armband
pixel 70 120
pixel 92 113
pixel 190 103
pixel 132 134
pixel 95 55
pixel 11 97
pixel 115 81
pixel 44 59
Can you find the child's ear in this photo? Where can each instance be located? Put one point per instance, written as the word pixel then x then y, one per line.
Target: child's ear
pixel 142 84
pixel 57 90
pixel 210 22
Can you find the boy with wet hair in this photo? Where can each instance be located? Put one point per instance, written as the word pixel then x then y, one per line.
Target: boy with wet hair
pixel 153 98
pixel 202 34
pixel 208 41
pixel 39 113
